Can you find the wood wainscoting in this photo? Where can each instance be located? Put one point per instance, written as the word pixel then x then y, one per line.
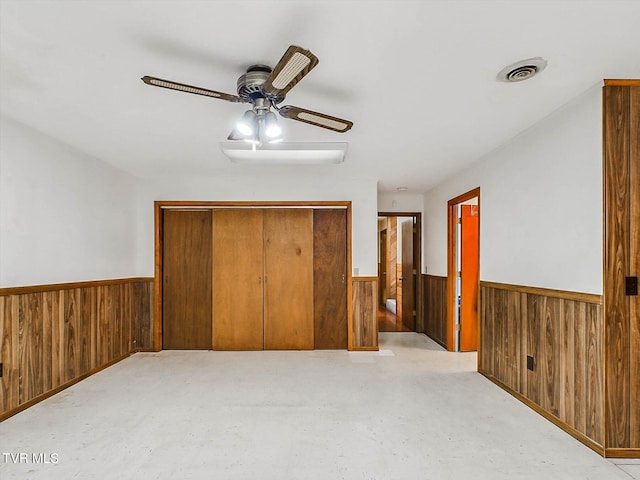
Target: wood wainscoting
pixel 621 142
pixel 434 290
pixel 563 332
pixel 52 336
pixel 365 313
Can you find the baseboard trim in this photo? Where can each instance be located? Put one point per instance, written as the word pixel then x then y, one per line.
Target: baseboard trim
pixel 58 389
pixel 581 437
pixel 622 453
pixel 364 349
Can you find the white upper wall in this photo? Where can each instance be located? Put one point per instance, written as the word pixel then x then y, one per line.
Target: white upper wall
pixel 64 216
pixel 400 202
pixel 540 204
pixel 267 184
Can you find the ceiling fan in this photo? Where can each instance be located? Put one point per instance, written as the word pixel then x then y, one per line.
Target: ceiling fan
pixel 265 87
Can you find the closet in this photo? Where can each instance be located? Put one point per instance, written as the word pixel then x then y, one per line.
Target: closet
pixel 187 280
pixel 255 278
pixel 238 271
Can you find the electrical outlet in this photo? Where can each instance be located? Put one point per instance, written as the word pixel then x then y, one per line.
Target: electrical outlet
pixel 531 364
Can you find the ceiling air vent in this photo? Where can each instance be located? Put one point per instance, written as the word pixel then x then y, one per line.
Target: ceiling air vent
pixel 522 70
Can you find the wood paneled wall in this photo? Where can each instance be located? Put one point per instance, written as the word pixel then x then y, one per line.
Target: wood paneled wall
pixel 563 332
pixel 434 290
pixel 142 315
pixel 365 313
pixel 621 125
pixel 392 256
pixel 51 336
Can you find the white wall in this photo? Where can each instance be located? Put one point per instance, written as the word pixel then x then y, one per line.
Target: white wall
pixel 273 184
pixel 540 204
pixel 64 216
pixel 400 202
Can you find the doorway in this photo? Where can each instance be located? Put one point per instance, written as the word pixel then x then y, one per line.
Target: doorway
pixel 463 279
pixel 398 267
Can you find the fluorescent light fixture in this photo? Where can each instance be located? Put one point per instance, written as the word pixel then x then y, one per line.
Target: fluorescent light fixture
pixel 286 153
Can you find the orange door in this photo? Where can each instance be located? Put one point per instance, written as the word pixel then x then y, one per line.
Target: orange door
pixel 470 280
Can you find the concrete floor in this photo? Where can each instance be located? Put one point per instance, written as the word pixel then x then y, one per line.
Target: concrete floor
pixel 410 411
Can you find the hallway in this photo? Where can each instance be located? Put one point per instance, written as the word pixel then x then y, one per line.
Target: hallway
pixel 389 322
pixel 409 411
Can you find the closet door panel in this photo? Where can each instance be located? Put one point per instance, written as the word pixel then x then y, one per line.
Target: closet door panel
pixel 288 293
pixel 186 280
pixel 330 278
pixel 237 279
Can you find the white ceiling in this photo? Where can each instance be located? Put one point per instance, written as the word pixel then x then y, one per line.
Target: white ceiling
pixel 417 78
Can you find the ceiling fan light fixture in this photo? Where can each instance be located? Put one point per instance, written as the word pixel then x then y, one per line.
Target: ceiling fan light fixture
pixel 235 135
pixel 273 131
pixel 248 124
pixel 271 128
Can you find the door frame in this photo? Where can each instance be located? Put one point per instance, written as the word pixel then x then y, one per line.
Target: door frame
pixel 160 205
pixel 451 265
pixel 417 261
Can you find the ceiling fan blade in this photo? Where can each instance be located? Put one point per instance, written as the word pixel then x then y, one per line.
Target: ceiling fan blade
pixel 315 118
pixel 159 82
pixel 292 67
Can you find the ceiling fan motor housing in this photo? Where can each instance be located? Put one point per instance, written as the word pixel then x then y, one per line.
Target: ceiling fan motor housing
pixel 250 84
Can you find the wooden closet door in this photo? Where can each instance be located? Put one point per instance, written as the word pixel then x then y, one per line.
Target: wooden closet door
pixel 330 278
pixel 237 279
pixel 186 280
pixel 288 247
